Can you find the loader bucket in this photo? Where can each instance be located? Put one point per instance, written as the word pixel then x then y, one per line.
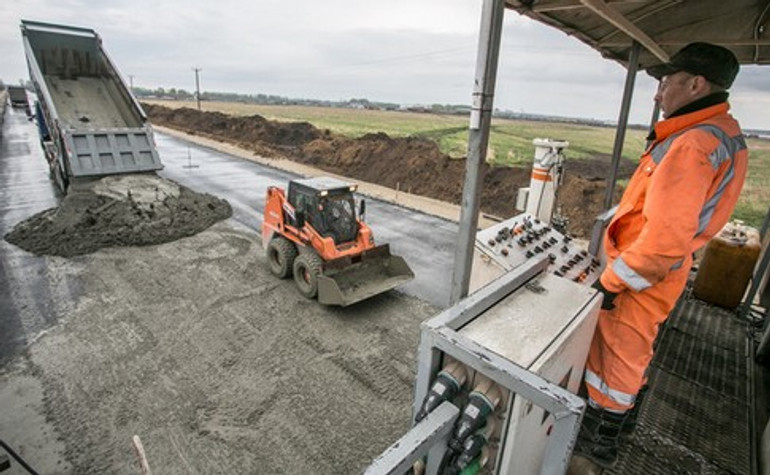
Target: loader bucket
pixel 377 271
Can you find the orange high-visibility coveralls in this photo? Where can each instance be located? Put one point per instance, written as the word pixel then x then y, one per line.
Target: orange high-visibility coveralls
pixel 682 194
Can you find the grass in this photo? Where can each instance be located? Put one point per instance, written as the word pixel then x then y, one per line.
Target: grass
pixel 510 142
pixel 755 197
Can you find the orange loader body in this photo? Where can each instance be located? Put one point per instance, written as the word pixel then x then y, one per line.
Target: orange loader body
pixel 274 223
pixel 314 235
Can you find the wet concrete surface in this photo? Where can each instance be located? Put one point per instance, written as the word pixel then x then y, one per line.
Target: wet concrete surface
pixel 193 344
pixel 426 242
pixel 32 298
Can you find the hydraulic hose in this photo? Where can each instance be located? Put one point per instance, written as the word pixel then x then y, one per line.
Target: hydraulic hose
pixel 477 464
pixel 447 383
pixel 482 401
pixel 474 446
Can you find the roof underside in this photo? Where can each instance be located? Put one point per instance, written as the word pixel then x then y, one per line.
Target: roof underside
pixel 662 27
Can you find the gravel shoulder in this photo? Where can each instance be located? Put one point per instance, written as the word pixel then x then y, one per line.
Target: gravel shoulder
pixel 217 366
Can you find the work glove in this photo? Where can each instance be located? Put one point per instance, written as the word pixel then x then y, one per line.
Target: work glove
pixel 609 297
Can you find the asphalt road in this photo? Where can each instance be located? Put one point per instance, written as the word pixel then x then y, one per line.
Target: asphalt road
pixel 426 242
pixel 31 298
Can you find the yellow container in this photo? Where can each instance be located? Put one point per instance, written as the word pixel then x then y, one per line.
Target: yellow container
pixel 727 265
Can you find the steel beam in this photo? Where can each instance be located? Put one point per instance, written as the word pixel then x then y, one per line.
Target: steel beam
pixel 756 281
pixel 620 133
pixel 478 139
pixel 653 121
pixel 434 430
pixel 597 233
pixel 615 18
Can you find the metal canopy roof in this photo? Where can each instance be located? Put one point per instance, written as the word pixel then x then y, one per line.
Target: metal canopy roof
pixel 662 27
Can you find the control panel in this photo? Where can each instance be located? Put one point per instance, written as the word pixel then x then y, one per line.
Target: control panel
pixel 512 242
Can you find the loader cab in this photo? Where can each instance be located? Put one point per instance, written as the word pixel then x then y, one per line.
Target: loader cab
pixel 327 205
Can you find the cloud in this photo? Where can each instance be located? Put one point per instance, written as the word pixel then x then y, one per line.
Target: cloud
pixel 402 51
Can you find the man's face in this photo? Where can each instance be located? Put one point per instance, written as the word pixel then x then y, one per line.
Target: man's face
pixel 676 91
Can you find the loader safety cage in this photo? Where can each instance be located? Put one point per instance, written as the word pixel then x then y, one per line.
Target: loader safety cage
pixel 707 404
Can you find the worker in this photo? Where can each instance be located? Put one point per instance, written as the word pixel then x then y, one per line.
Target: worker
pixel 682 193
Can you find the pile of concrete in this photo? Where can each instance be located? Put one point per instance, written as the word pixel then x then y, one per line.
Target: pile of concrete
pixel 121 210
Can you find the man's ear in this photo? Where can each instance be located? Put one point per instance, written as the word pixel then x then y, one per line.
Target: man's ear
pixel 700 85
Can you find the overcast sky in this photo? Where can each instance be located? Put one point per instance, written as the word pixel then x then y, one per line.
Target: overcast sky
pixel 403 51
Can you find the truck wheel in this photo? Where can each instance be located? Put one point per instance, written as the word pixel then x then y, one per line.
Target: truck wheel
pixel 307 268
pixel 280 255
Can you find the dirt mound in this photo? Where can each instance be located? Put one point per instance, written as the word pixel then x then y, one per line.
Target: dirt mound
pixel 411 164
pixel 247 131
pixel 127 210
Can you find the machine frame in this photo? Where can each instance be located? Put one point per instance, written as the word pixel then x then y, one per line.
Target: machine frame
pixel 440 336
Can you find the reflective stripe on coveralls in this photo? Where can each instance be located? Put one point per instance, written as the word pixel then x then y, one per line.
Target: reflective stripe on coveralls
pixel 620 397
pixel 674 204
pixel 728 147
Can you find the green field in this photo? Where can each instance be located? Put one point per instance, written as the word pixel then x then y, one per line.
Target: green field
pixel 755 198
pixel 510 141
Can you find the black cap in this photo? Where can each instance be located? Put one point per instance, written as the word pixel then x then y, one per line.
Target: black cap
pixel 717 64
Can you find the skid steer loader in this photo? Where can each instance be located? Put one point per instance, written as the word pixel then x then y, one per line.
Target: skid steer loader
pixel 315 235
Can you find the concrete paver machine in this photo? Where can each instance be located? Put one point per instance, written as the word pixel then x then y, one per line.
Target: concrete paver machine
pixel 314 234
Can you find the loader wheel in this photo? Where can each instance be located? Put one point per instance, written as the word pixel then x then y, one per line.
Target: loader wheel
pixel 307 268
pixel 280 255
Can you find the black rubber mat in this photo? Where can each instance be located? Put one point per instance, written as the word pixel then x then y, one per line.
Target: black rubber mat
pixel 696 416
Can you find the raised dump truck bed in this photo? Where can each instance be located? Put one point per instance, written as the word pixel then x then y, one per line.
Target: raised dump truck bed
pixel 90 124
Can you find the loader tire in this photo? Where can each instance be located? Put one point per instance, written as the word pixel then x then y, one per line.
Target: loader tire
pixel 280 256
pixel 307 268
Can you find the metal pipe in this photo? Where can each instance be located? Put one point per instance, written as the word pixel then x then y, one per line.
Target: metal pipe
pixel 765 225
pixel 478 138
pixel 620 133
pixel 756 281
pixel 18 458
pixel 433 431
pixel 764 345
pixel 653 121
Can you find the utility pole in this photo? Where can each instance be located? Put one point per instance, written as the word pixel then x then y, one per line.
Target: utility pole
pixel 131 82
pixel 197 87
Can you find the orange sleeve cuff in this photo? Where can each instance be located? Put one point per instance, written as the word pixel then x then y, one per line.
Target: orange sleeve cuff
pixel 611 281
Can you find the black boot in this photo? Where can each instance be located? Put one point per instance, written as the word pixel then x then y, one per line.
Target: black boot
pixel 599 436
pixel 629 425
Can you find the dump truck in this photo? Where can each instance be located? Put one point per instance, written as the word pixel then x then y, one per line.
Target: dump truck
pixel 313 234
pixel 89 122
pixel 17 95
